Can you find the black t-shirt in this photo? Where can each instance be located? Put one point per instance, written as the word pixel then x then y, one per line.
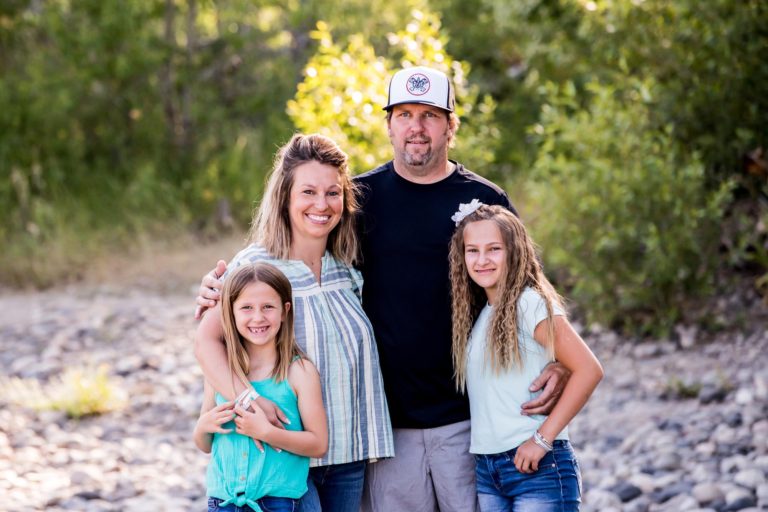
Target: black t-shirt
pixel 405 230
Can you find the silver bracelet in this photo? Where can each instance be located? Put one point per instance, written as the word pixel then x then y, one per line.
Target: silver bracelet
pixel 543 443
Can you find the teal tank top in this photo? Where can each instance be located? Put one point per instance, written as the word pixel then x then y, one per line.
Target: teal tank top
pixel 240 474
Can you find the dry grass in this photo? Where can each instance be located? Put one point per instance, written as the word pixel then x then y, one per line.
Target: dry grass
pixel 170 265
pixel 163 266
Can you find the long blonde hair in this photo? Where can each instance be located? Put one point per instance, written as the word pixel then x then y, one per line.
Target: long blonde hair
pixel 271 225
pixel 285 340
pixel 523 270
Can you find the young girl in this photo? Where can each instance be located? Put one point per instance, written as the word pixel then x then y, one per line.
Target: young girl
pixel 523 463
pixel 259 466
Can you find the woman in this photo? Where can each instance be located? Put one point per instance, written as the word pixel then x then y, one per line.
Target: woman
pixel 305 227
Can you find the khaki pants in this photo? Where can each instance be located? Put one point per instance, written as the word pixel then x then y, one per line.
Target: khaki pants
pixel 432 471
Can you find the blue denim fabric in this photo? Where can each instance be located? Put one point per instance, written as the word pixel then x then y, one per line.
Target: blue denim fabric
pixel 555 487
pixel 267 504
pixel 334 488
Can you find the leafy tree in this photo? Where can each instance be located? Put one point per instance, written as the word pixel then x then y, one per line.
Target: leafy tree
pixel 629 217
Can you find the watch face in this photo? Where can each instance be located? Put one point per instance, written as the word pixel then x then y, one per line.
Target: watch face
pixel 245 398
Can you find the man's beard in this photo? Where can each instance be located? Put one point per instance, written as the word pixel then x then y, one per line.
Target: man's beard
pixel 419 159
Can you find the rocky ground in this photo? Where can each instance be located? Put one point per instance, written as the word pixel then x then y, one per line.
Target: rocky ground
pixel 676 425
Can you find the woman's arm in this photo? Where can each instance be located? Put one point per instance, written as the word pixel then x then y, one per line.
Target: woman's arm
pixel 310 442
pixel 586 373
pixel 211 355
pixel 212 417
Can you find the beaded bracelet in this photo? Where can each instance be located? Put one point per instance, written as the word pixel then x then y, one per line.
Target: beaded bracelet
pixel 539 440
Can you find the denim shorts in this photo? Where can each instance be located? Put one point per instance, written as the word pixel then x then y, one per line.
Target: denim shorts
pixel 555 487
pixel 267 504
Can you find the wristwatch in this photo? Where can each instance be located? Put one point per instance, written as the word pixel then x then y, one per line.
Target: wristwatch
pixel 245 398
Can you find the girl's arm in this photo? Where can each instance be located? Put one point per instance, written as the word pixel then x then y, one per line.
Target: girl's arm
pixel 212 417
pixel 586 373
pixel 310 442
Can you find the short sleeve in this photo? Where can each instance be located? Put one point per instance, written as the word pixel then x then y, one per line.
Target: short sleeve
pixel 356 277
pixel 250 254
pixel 532 309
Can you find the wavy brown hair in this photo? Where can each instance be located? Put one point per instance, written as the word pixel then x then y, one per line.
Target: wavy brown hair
pixel 271 225
pixel 285 340
pixel 523 270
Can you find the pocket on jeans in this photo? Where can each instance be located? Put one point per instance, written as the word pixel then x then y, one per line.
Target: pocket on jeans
pixel 270 504
pixel 213 504
pixel 547 463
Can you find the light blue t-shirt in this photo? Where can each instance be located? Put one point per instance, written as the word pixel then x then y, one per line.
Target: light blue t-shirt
pixel 495 399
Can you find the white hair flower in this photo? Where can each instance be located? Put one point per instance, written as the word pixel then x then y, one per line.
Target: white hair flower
pixel 465 209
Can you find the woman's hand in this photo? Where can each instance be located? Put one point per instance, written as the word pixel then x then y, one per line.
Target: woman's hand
pixel 208 294
pixel 211 422
pixel 528 456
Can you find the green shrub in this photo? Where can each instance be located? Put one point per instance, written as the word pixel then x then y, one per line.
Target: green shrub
pixel 620 212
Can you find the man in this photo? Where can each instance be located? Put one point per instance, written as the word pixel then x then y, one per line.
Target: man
pixel 405 229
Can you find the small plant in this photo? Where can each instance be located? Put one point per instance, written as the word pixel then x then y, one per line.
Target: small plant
pixel 77 392
pixel 678 388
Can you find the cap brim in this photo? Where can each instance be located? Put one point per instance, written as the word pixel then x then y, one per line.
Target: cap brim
pixel 410 102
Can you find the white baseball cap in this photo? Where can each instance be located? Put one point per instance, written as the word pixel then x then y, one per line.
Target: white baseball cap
pixel 421 85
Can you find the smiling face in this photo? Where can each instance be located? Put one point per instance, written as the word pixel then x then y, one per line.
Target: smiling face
pixel 420 136
pixel 259 313
pixel 485 255
pixel 316 201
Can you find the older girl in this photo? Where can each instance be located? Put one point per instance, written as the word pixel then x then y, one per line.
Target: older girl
pixel 508 323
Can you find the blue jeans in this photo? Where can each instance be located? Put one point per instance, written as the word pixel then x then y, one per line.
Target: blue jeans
pixel 555 487
pixel 267 504
pixel 334 488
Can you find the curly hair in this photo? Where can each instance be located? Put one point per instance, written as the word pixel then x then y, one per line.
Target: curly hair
pixel 271 225
pixel 523 269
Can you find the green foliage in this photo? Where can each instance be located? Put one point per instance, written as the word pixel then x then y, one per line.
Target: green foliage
pixel 701 54
pixel 143 119
pixel 77 392
pixel 344 90
pixel 341 96
pixel 153 116
pixel 628 217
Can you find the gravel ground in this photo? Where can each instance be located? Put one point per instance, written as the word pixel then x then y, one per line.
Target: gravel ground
pixel 676 425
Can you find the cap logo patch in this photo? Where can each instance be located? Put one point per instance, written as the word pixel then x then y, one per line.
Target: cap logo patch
pixel 417 84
